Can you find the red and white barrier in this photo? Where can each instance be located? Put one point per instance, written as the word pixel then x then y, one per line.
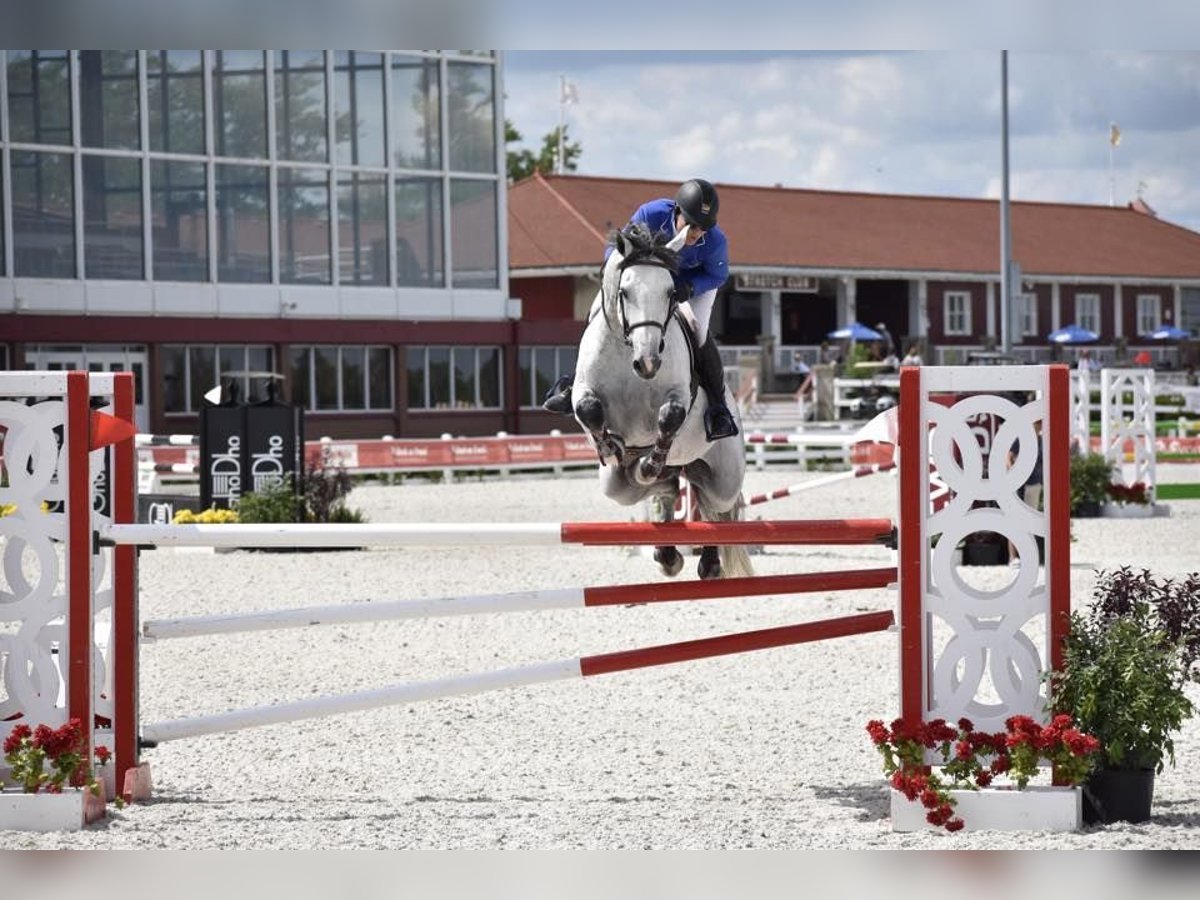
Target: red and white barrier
pixel 540 673
pixel 596 534
pixel 858 472
pixel 520 601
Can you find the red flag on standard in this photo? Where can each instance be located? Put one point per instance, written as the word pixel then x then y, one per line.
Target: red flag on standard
pixel 106 429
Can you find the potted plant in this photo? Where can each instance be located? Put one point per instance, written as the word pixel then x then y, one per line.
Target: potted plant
pixel 1126 663
pixel 1091 474
pixel 1127 501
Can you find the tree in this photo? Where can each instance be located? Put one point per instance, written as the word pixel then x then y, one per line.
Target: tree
pixel 523 162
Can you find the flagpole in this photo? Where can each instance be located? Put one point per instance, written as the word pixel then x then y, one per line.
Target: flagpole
pixel 562 121
pixel 1112 179
pixel 1006 286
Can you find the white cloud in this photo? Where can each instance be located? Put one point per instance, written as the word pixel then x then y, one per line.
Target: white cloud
pixel 926 123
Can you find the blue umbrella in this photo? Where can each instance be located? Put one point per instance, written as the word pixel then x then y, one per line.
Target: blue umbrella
pixel 1072 334
pixel 855 331
pixel 1168 333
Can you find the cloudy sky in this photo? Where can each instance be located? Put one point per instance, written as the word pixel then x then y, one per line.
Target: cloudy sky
pixel 912 122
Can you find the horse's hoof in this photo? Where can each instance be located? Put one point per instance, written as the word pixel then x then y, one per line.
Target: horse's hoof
pixel 669 560
pixel 710 564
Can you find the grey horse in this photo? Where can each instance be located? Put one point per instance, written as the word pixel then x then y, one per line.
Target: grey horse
pixel 637 398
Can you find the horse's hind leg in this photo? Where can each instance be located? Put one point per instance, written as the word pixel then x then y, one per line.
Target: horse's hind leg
pixel 662 509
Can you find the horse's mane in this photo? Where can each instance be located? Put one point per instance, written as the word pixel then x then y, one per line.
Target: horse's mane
pixel 646 246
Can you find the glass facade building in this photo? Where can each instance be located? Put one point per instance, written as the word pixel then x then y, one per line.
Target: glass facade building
pixel 331 214
pixel 313 168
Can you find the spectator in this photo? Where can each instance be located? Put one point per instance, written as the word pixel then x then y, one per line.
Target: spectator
pixel 804 393
pixel 889 345
pixel 912 357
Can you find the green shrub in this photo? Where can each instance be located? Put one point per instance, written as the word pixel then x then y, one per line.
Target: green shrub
pixel 1091 473
pixel 273 504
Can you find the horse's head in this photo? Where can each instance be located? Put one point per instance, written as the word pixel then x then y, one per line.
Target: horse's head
pixel 638 287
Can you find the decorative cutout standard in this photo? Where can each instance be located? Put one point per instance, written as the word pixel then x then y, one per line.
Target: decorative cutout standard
pixel 984 663
pixel 34 592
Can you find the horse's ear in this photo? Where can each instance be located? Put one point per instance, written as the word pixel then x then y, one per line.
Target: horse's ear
pixel 621 242
pixel 676 243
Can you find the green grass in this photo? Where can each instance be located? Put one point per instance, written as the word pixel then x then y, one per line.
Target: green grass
pixel 1177 491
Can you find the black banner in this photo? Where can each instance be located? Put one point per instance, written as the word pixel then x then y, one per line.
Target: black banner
pixel 247 448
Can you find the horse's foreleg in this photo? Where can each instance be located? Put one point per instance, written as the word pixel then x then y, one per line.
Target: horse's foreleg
pixel 590 413
pixel 670 419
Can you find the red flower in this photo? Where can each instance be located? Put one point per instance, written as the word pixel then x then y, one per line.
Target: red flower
pixel 972 759
pixel 103 754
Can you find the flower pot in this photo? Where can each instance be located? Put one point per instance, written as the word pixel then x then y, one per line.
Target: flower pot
pixel 1036 808
pixel 1086 509
pixel 1127 511
pixel 68 811
pixel 1118 795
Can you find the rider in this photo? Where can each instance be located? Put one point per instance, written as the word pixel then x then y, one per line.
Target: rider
pixel 703 268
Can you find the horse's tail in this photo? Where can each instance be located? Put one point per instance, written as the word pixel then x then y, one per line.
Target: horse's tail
pixel 735 559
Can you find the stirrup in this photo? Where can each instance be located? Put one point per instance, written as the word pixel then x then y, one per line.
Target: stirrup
pixel 719 423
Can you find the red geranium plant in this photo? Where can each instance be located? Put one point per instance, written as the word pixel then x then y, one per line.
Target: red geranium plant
pixel 1127 493
pixel 28 750
pixel 971 759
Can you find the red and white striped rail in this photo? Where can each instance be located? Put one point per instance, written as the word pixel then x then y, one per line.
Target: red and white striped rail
pixel 850 474
pixel 520 601
pixel 596 534
pixel 540 673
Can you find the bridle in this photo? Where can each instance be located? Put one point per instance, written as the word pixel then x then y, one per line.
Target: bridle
pixel 627 327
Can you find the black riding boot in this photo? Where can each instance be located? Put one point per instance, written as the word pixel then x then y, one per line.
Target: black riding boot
pixel 558 398
pixel 718 420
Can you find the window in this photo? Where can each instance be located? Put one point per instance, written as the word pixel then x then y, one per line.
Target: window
pixel 243 251
pixel 958 312
pixel 538 368
pixel 108 99
pixel 454 378
pixel 416 119
pixel 1029 314
pixel 304 226
pixel 300 121
pixel 240 103
pixel 175 100
pixel 347 378
pixel 39 97
pixel 473 234
pixel 112 217
pixel 362 228
pixel 179 220
pixel 43 215
pixel 358 107
pixel 1087 311
pixel 419 232
pixel 191 371
pixel 1149 313
pixel 471 111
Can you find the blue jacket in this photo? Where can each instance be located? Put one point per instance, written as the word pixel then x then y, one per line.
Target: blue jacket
pixel 705 264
